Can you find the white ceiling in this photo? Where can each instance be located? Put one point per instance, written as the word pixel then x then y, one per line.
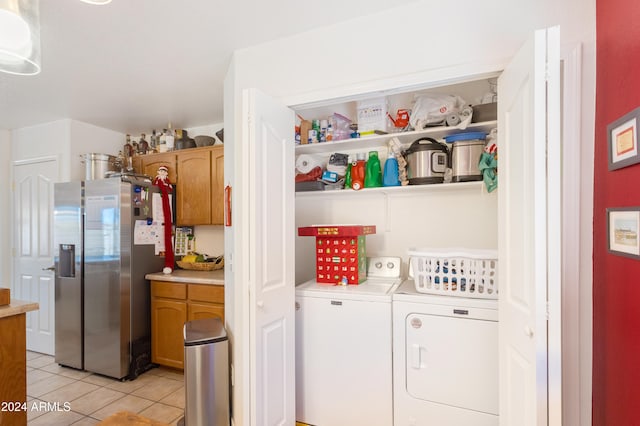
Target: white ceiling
pixel 134 65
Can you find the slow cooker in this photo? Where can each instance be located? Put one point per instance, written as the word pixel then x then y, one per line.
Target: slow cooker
pixel 427 160
pixel 466 151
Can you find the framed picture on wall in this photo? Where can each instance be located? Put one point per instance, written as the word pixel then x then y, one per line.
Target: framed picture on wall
pixel 623 140
pixel 623 224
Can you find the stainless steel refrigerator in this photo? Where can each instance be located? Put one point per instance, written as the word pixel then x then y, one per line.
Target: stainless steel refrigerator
pixel 102 254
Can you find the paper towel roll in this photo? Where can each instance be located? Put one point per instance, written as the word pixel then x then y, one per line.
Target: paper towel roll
pixel 305 163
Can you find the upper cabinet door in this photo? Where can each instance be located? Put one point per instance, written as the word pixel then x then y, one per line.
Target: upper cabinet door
pixel 529 231
pixel 217 186
pixel 269 137
pixel 151 163
pixel 193 193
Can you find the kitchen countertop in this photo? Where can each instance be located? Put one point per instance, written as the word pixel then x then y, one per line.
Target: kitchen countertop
pixel 191 277
pixel 17 307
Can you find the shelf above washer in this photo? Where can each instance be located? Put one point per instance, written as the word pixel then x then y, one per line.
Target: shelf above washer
pixel 395 190
pixel 376 141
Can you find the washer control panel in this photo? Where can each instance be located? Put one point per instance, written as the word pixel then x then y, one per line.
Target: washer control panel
pixel 383 267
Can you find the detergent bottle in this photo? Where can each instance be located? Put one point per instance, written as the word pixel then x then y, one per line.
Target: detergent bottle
pixel 391 175
pixel 358 171
pixel 373 174
pixel 347 176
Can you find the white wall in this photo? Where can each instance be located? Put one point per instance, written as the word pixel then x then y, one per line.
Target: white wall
pixel 403 221
pixel 87 138
pixel 67 139
pixel 421 42
pixel 425 36
pixel 41 140
pixel 5 198
pixel 208 130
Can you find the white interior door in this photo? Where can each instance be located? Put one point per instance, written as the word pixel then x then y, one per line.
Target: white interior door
pixel 270 127
pixel 529 231
pixel 32 236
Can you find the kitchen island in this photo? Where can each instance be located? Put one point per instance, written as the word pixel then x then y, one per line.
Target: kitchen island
pixel 176 298
pixel 13 361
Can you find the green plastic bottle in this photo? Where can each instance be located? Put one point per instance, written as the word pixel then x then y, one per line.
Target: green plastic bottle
pixel 347 176
pixel 373 173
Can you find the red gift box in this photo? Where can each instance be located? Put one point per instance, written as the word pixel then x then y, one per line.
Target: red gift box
pixel 341 254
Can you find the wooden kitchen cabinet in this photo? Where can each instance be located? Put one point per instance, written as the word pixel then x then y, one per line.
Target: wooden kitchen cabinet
pixel 173 304
pixel 204 310
pixel 198 176
pixel 149 165
pixel 217 185
pixel 193 199
pixel 167 344
pixel 13 362
pixel 199 193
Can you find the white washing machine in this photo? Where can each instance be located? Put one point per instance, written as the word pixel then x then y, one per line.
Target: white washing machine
pixel 445 359
pixel 343 349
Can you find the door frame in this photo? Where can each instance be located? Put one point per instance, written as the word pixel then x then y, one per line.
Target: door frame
pixel 577 245
pixel 427 78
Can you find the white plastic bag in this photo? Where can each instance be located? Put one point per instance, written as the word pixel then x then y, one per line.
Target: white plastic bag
pixel 433 110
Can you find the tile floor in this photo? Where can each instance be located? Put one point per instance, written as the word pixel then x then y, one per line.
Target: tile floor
pixel 157 394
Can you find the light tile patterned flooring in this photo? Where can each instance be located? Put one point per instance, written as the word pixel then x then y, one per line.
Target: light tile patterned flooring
pixel 157 394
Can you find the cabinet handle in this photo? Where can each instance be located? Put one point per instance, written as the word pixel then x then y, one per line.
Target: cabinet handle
pixel 528 331
pixel 227 205
pixel 260 304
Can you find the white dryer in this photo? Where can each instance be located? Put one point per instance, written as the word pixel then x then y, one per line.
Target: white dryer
pixel 445 359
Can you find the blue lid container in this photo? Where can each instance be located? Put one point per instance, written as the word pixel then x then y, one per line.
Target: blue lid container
pixel 468 136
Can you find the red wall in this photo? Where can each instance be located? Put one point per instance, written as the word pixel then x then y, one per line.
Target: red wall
pixel 616 280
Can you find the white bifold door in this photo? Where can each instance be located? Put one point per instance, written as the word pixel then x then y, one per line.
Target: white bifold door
pixel 529 245
pixel 269 134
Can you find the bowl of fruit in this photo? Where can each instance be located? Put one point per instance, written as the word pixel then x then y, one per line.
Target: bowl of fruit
pixel 201 262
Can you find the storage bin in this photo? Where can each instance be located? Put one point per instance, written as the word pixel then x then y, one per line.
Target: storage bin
pixel 341 254
pixel 460 272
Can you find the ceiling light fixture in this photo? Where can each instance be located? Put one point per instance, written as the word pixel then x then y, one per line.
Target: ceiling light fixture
pixel 19 37
pixel 99 2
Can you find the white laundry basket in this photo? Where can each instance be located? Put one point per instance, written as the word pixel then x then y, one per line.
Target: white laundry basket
pixel 456 272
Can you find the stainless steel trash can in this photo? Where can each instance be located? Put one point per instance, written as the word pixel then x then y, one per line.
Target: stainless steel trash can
pixel 206 373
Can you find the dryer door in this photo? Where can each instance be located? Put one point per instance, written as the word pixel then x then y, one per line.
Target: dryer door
pixel 453 360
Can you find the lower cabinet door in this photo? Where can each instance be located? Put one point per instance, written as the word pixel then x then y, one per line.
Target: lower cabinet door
pixel 167 322
pixel 205 310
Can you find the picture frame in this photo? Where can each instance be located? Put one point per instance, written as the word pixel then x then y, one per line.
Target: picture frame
pixel 623 226
pixel 622 136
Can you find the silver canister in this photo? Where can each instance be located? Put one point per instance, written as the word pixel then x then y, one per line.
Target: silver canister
pixel 97 165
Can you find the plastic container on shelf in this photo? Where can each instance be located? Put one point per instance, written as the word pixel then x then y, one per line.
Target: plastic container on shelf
pixel 372 116
pixel 340 125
